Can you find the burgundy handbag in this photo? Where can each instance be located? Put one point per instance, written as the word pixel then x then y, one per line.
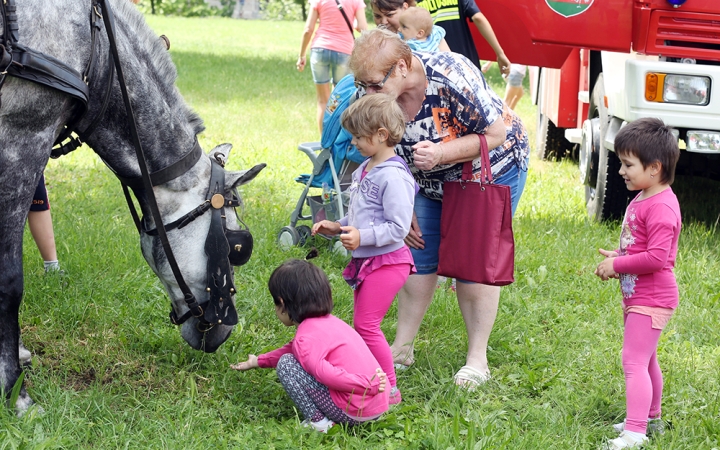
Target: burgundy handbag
pixel 476 237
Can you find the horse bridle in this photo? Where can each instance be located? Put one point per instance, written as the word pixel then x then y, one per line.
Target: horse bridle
pixel 22 62
pixel 224 247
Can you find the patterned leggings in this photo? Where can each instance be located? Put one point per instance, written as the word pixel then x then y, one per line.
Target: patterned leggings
pixel 312 398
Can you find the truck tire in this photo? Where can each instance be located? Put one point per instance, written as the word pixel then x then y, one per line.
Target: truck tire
pixel 551 143
pixel 605 193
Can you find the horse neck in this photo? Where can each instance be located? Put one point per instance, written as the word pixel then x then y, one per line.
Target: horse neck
pixel 165 124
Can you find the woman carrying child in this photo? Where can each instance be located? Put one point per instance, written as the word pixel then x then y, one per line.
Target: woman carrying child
pixel 378 219
pixel 644 264
pixel 326 369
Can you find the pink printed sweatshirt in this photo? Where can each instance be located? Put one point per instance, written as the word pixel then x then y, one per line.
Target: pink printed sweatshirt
pixel 648 249
pixel 335 355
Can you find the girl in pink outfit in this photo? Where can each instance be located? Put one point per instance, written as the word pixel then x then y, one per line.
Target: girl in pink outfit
pixel 326 369
pixel 378 219
pixel 644 264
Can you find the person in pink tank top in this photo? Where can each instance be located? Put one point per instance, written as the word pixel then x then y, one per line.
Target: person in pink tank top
pixel 644 263
pixel 331 45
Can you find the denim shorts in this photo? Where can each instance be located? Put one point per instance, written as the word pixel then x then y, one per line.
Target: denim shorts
pixel 517 73
pixel 428 217
pixel 327 65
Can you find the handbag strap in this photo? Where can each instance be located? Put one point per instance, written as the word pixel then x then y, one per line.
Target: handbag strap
pixel 485 168
pixel 347 21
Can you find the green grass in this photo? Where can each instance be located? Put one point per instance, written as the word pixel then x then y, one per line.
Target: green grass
pixel 111 372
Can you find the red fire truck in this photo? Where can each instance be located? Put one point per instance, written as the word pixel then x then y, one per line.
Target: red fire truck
pixel 604 63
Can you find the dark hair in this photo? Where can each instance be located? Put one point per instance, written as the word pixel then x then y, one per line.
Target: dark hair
pixel 390 5
pixel 304 289
pixel 650 140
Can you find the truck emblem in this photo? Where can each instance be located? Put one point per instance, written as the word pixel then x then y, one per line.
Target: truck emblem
pixel 569 8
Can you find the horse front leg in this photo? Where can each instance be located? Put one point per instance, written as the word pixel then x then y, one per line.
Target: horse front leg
pixel 11 290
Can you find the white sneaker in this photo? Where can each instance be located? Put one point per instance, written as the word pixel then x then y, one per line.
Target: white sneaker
pixel 322 425
pixel 627 439
pixel 654 426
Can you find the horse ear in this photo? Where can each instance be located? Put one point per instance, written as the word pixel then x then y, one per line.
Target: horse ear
pixel 221 153
pixel 235 179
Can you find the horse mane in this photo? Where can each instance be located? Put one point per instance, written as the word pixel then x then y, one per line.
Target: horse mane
pixel 157 59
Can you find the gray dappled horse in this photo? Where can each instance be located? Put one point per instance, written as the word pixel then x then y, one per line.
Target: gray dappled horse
pixel 32 116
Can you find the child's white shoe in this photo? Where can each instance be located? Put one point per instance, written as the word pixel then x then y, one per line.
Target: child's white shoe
pixel 654 426
pixel 627 439
pixel 322 425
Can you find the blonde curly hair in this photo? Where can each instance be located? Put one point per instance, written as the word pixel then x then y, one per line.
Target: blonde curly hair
pixel 372 112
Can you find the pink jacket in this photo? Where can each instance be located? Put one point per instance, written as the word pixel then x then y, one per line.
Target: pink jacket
pixel 336 356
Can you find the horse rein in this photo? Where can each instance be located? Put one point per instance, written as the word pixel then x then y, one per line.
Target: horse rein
pixel 196 310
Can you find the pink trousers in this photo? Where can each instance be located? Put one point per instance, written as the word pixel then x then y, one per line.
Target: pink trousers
pixel 643 377
pixel 372 301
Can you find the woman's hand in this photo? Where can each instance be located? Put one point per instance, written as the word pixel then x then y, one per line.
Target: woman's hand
pixel 251 363
pixel 300 63
pixel 350 238
pixel 605 269
pixel 326 227
pixel 414 238
pixel 504 64
pixel 427 155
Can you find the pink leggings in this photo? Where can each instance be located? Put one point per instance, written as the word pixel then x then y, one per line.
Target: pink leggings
pixel 643 377
pixel 372 301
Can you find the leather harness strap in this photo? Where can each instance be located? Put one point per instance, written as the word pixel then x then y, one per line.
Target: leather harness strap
pixel 21 62
pixel 169 173
pixel 46 70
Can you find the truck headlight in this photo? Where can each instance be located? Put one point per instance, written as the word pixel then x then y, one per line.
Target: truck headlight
pixel 703 141
pixel 687 89
pixel 673 88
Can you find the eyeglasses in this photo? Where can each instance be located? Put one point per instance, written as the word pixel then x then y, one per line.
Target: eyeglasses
pixel 363 87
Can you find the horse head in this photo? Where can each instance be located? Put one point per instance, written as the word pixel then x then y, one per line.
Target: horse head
pixel 181 199
pixel 187 196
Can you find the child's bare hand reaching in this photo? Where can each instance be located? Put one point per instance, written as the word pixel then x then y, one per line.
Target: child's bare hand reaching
pixel 605 269
pixel 251 363
pixel 383 379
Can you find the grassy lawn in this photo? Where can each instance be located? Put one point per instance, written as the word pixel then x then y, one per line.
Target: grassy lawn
pixel 111 371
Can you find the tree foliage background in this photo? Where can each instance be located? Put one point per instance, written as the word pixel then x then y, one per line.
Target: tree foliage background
pixel 269 9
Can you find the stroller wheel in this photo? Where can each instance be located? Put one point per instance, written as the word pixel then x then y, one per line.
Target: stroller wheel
pixel 288 237
pixel 305 233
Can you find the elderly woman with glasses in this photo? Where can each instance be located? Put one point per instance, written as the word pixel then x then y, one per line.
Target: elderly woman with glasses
pixel 447 103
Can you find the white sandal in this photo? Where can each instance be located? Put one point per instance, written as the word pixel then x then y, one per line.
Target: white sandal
pixel 470 378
